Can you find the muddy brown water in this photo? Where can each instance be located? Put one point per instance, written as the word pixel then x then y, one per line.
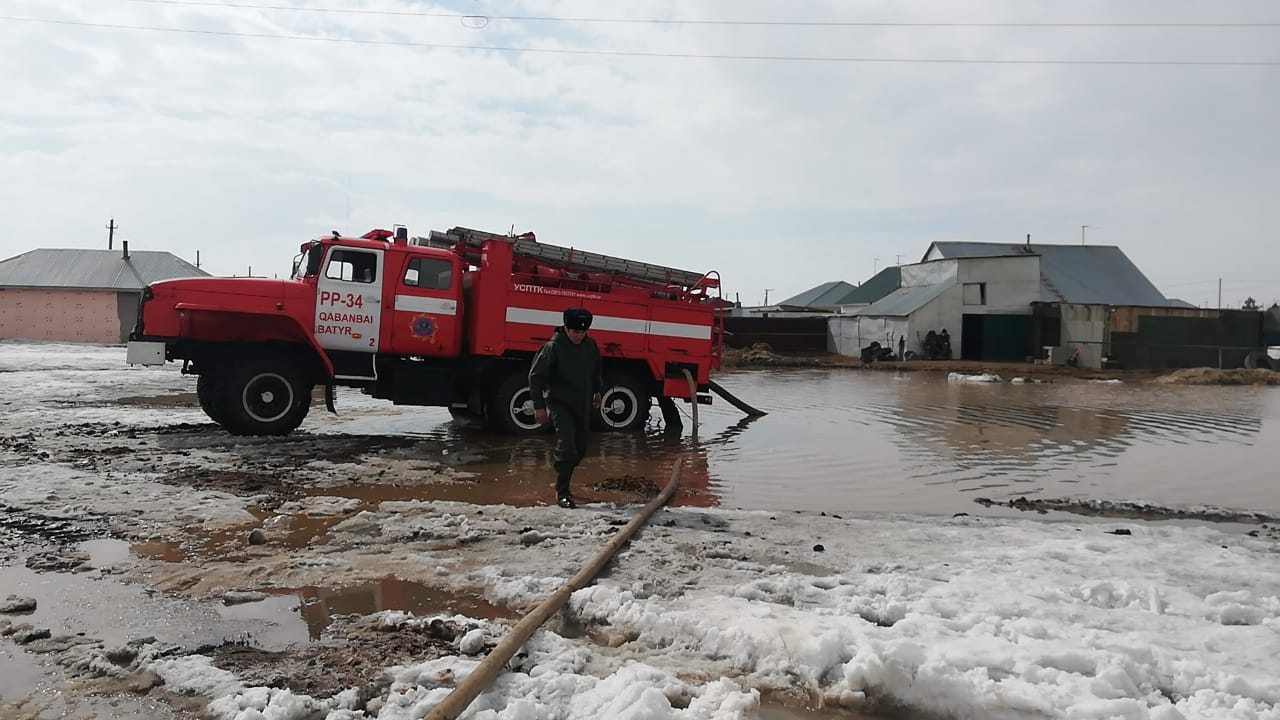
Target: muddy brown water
pixel 855 441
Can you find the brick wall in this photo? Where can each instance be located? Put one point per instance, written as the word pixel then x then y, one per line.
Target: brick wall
pixel 59 315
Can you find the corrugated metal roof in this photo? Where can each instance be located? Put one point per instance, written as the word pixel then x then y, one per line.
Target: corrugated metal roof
pixel 1083 274
pixel 880 285
pixel 93 269
pixel 827 294
pixel 904 301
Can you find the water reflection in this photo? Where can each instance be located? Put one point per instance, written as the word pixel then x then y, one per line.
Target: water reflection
pixel 875 441
pixel 850 441
pixel 321 605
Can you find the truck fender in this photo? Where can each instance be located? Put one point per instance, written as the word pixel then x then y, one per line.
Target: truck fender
pixel 184 308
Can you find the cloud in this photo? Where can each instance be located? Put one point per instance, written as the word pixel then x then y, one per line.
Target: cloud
pixel 779 174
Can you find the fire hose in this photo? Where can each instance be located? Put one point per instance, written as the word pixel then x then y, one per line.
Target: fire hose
pixel 456 702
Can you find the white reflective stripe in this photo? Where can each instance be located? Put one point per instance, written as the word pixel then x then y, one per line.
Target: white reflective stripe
pixel 534 317
pixel 696 332
pixel 551 318
pixel 417 303
pixel 616 324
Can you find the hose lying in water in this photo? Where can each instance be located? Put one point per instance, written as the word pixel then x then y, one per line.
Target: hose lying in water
pixel 750 411
pixel 487 671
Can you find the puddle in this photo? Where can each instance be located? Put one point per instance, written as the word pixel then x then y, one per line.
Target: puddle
pixel 625 470
pixel 105 553
pixel 114 612
pixel 280 625
pixel 319 606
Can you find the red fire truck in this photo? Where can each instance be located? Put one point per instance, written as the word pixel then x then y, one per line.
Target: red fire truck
pixel 452 319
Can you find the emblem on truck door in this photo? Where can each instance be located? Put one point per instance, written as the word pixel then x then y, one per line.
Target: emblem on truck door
pixel 424 327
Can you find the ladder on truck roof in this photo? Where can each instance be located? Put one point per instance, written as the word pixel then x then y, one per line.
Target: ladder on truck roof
pixel 527 247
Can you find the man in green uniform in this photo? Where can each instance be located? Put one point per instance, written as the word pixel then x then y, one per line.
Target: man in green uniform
pixel 566 383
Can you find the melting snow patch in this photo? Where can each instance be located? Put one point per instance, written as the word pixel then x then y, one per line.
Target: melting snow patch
pixel 963 378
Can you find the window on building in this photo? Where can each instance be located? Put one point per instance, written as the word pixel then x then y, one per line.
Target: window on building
pixel 975 293
pixel 429 274
pixel 352 266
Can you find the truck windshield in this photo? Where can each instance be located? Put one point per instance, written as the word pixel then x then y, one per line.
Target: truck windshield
pixel 309 265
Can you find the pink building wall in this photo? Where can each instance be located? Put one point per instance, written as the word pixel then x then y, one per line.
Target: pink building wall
pixel 86 316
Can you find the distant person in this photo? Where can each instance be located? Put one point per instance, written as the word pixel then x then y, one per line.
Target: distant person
pixel 945 338
pixel 902 347
pixel 566 382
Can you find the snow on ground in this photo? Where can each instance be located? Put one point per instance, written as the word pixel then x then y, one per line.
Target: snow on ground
pixel 962 618
pixel 708 611
pixel 980 378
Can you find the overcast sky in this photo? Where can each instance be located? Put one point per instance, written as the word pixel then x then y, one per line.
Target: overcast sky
pixel 778 174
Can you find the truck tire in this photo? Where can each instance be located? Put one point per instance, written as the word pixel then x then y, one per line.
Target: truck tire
pixel 510 407
pixel 209 393
pixel 624 404
pixel 268 398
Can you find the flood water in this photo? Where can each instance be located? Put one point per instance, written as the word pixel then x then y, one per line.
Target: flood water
pixel 855 441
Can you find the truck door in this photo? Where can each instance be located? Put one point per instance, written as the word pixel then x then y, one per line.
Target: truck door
pixel 427 317
pixel 349 309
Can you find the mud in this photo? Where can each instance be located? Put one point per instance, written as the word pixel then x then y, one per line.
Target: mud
pixel 1214 376
pixel 1131 510
pixel 354 654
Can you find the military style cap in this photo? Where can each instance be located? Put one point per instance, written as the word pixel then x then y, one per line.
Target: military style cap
pixel 577 318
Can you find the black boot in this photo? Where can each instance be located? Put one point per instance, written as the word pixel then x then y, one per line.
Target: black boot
pixel 563 498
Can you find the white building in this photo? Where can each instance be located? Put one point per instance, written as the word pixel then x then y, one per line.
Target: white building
pixel 983 295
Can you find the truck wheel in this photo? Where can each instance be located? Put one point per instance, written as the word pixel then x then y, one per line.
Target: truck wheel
pixel 624 405
pixel 207 391
pixel 510 409
pixel 263 399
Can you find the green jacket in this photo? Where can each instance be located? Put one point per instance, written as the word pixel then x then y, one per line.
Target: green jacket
pixel 566 373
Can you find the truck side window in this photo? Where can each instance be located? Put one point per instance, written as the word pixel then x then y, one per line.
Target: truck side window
pixel 352 266
pixel 429 274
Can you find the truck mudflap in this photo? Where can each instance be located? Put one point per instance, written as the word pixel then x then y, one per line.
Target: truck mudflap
pixel 142 352
pixel 328 399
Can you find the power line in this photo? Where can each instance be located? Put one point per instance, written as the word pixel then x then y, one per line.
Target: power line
pixel 672 21
pixel 644 54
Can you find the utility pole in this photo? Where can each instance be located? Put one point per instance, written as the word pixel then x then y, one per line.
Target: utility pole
pixel 875 266
pixel 1082 229
pixel 766 295
pixel 197 259
pixel 111 233
pixel 1219 293
pixel 897 260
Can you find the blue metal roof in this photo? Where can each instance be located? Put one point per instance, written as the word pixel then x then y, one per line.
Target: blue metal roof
pixel 93 269
pixel 1082 274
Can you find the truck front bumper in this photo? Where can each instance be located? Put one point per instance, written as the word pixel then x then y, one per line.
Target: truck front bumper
pixel 141 352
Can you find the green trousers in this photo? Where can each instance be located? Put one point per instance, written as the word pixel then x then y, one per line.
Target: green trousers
pixel 571 426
